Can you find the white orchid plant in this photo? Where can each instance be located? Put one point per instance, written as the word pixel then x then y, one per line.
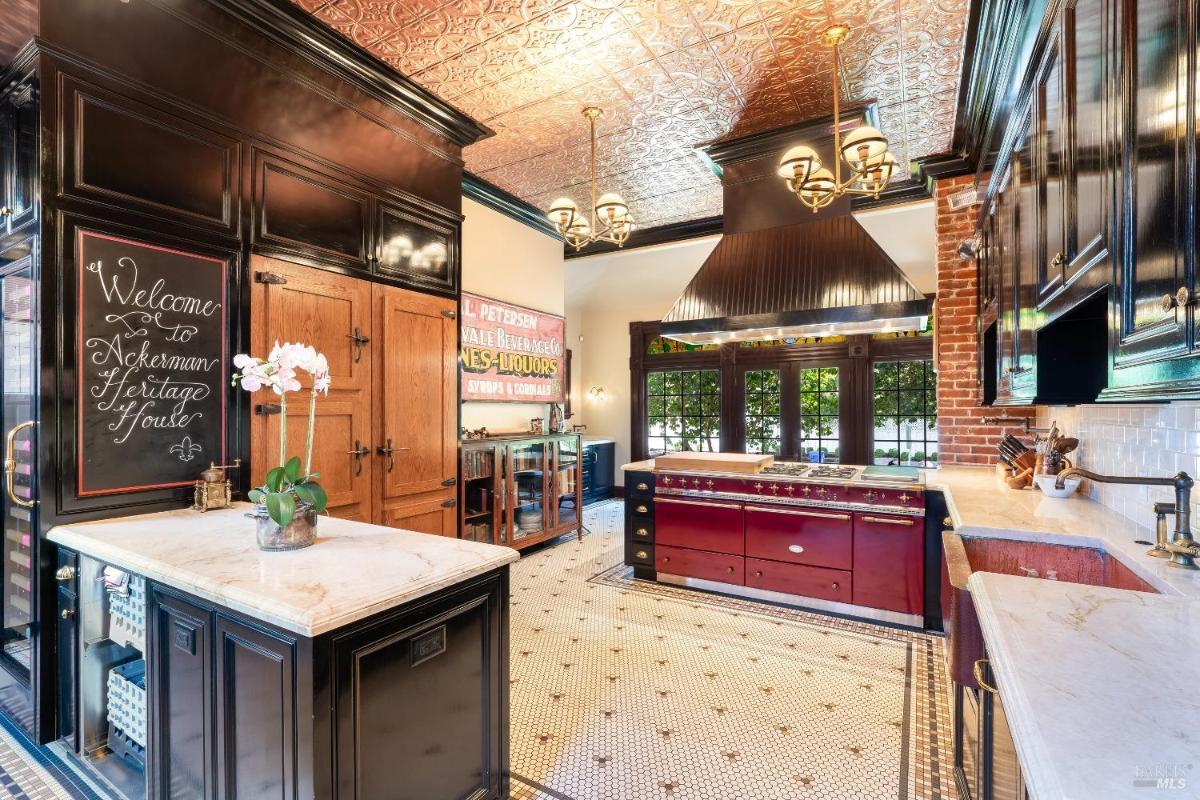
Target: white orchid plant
pixel 292 480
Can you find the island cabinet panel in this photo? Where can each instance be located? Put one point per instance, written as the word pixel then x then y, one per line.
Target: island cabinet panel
pixel 800 536
pixel 257 728
pixel 179 673
pixel 420 698
pixel 707 566
pixel 889 562
pixel 700 524
pixel 408 703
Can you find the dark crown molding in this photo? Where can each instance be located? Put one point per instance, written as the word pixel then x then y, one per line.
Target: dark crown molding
pixel 302 33
pixel 662 234
pixel 508 204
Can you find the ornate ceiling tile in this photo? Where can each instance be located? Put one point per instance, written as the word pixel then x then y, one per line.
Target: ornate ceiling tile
pixel 669 75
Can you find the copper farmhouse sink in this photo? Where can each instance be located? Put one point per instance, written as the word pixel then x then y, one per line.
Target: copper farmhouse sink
pixel 964 555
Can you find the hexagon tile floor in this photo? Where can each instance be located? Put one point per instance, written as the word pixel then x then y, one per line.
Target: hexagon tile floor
pixel 628 690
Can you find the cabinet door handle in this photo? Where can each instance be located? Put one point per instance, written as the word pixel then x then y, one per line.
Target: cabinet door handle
pixel 642 554
pixel 696 503
pixel 1060 258
pixel 642 510
pixel 1181 298
pixel 360 342
pixel 889 521
pixel 817 514
pixel 977 671
pixel 67 613
pixel 65 573
pixel 389 451
pixel 10 465
pixel 642 487
pixel 641 532
pixel 359 452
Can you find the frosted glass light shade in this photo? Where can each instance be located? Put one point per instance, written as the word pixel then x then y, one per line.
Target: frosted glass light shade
pixel 819 188
pixel 799 163
pixel 863 146
pixel 611 204
pixel 562 212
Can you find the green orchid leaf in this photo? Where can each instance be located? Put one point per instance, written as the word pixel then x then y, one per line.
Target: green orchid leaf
pixel 304 493
pixel 275 478
pixel 255 495
pixel 292 469
pixel 319 499
pixel 281 507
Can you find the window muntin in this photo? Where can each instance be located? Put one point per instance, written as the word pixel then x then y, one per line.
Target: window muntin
pixel 683 410
pixel 905 408
pixel 820 405
pixel 762 411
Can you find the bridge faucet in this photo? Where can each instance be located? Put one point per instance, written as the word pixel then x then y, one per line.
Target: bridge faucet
pixel 1183 548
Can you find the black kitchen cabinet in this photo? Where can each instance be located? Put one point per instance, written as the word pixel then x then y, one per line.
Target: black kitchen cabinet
pixel 1092 200
pixel 411 702
pixel 639 524
pixel 19 156
pixel 599 465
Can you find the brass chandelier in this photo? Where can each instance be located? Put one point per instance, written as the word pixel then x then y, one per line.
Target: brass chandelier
pixel 609 219
pixel 865 151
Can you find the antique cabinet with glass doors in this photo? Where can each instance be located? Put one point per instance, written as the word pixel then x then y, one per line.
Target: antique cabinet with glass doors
pixel 521 490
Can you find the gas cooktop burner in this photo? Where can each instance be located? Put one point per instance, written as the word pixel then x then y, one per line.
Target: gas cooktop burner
pixel 832 471
pixel 786 468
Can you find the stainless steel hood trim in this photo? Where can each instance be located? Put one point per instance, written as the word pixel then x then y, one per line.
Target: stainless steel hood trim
pixel 796 318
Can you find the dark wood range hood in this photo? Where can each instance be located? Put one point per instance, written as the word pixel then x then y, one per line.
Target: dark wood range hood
pixel 781 271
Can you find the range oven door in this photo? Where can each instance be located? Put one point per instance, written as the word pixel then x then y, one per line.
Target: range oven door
pixel 715 527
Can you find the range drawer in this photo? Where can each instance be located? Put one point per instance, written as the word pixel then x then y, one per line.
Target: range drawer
pixel 889 562
pixel 700 525
pixel 700 564
pixel 639 508
pixel 800 579
pixel 817 538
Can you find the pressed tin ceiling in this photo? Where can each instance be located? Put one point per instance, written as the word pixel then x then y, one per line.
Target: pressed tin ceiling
pixel 669 75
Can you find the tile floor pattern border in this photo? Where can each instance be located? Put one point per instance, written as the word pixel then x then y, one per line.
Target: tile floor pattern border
pixel 563 681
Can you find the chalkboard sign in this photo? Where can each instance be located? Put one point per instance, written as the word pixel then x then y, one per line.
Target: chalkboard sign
pixel 153 378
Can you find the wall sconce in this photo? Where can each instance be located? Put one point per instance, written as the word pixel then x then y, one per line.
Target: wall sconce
pixel 597 394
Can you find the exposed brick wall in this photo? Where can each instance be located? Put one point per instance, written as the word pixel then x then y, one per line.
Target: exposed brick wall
pixel 962 436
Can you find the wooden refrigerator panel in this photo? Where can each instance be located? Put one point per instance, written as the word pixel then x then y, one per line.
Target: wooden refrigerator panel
pixel 417 425
pixel 331 312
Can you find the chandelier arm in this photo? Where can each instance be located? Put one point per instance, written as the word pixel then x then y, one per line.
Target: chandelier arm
pixel 837 118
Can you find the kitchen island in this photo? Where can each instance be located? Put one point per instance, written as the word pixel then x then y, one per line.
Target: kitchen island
pixel 372 664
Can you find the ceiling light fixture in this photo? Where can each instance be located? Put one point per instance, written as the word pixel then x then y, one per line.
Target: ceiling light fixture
pixel 609 220
pixel 865 151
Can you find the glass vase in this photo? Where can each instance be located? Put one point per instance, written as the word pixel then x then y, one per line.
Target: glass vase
pixel 300 532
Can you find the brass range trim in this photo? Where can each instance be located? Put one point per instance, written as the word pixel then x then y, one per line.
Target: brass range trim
pixel 774 500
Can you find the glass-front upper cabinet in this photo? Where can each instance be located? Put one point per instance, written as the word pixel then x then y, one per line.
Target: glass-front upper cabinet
pixel 527 463
pixel 565 490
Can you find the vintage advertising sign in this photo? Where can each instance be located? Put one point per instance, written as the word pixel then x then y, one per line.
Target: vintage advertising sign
pixel 509 353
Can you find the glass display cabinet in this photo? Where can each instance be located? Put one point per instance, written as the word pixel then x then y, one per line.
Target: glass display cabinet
pixel 521 490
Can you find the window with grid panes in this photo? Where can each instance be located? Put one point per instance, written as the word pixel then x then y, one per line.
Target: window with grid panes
pixel 763 421
pixel 683 410
pixel 905 406
pixel 820 405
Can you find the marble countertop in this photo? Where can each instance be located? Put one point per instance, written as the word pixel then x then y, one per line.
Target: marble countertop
pixel 353 571
pixel 1095 684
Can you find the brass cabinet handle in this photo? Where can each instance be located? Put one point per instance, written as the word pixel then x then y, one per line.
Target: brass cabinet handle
pixel 65 573
pixel 977 671
pixel 67 613
pixel 359 452
pixel 1060 258
pixel 642 487
pixel 817 514
pixel 10 465
pixel 1180 299
pixel 889 521
pixel 641 554
pixel 642 510
pixel 949 523
pixel 697 503
pixel 641 532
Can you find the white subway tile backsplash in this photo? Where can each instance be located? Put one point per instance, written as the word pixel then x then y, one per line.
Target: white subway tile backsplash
pixel 1144 441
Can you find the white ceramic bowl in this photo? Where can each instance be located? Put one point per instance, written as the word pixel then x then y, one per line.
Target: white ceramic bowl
pixel 1046 484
